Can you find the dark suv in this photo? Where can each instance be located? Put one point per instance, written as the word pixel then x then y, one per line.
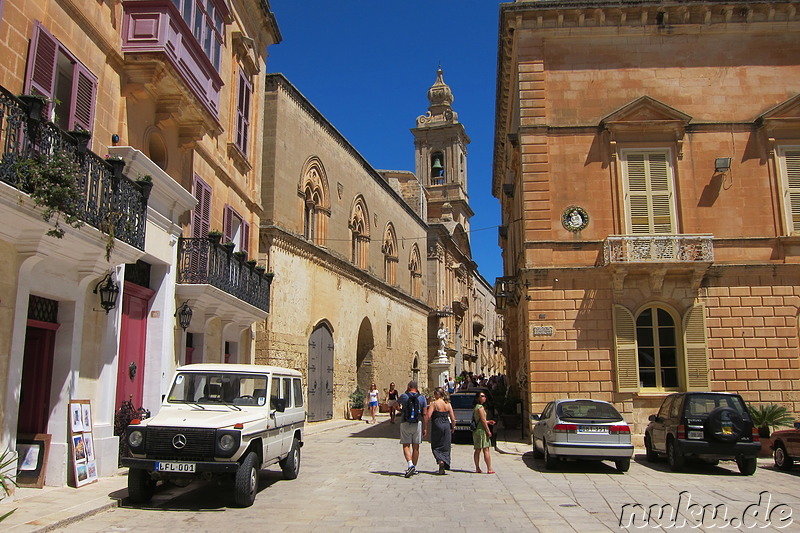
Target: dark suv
pixel 711 426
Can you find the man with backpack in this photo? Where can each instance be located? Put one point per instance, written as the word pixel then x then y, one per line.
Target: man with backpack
pixel 413 427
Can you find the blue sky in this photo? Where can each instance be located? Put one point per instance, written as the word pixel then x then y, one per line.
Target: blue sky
pixel 367 66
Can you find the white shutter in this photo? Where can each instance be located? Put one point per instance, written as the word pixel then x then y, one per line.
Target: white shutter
pixel 792 166
pixel 695 348
pixel 650 193
pixel 626 358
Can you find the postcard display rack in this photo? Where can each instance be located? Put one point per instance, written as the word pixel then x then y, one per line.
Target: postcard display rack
pixel 84 465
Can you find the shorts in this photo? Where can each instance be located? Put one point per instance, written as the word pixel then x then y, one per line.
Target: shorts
pixel 410 432
pixel 373 404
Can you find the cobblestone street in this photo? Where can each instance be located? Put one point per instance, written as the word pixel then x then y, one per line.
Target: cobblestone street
pixel 351 480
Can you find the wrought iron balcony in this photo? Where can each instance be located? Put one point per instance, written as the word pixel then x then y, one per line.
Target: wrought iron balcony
pixel 204 261
pixel 628 249
pixel 109 201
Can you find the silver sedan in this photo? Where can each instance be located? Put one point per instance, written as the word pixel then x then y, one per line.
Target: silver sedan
pixel 582 429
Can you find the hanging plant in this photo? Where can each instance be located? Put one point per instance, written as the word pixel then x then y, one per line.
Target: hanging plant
pixel 52 182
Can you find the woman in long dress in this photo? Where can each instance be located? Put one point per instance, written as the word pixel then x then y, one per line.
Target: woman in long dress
pixel 443 424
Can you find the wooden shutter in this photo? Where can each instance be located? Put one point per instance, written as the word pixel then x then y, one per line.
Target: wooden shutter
pixel 696 349
pixel 792 165
pixel 84 89
pixel 201 216
pixel 227 224
pixel 243 113
pixel 246 238
pixel 650 193
pixel 627 363
pixel 42 55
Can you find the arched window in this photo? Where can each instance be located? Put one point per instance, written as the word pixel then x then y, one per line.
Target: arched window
pixel 389 250
pixel 359 234
pixel 415 270
pixel 437 168
pixel 657 349
pixel 316 202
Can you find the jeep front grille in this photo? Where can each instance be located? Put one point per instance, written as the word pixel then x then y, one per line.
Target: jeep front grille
pixel 199 445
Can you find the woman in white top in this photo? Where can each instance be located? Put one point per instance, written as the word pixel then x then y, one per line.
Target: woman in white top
pixel 373 401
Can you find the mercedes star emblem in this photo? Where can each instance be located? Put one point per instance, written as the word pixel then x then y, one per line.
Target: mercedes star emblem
pixel 179 441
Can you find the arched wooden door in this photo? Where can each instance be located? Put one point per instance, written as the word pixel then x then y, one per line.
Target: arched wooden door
pixel 132 344
pixel 320 374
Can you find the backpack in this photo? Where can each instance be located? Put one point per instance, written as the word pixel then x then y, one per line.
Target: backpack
pixel 411 408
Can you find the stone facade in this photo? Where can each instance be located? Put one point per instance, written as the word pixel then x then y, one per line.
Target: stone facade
pixel 626 115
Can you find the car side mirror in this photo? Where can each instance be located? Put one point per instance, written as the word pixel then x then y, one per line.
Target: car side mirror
pixel 535 418
pixel 652 418
pixel 279 404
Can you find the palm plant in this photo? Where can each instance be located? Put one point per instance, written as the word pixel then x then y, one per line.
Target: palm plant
pixel 766 416
pixel 7 461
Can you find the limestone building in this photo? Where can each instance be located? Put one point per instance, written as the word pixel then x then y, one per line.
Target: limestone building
pixel 144 114
pixel 646 159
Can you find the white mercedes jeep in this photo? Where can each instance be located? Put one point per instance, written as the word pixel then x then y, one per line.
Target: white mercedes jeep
pixel 219 420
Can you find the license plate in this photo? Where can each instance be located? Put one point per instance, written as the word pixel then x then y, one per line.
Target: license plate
pixel 727 429
pixel 175 467
pixel 592 429
pixel 695 434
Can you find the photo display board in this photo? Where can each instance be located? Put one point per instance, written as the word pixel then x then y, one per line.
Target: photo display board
pixel 84 465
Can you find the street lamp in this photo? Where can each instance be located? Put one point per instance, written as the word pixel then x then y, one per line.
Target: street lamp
pixel 184 314
pixel 109 291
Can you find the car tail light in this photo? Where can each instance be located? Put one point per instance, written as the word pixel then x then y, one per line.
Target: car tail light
pixel 565 428
pixel 619 430
pixel 756 436
pixel 135 422
pixel 681 431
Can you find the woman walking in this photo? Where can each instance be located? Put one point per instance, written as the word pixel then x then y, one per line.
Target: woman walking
pixel 373 401
pixel 391 399
pixel 443 424
pixel 482 434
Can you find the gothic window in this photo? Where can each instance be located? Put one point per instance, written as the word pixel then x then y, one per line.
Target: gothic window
pixel 359 234
pixel 656 351
pixel 789 171
pixel 389 250
pixel 55 73
pixel 315 195
pixel 649 192
pixel 414 267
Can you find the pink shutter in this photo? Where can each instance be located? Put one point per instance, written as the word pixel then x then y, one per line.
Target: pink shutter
pixel 243 113
pixel 246 238
pixel 84 88
pixel 40 74
pixel 227 216
pixel 201 216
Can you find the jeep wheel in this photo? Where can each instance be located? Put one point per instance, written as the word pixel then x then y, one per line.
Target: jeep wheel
pixel 675 457
pixel 291 465
pixel 747 465
pixel 623 465
pixel 782 459
pixel 650 454
pixel 246 482
pixel 141 486
pixel 550 462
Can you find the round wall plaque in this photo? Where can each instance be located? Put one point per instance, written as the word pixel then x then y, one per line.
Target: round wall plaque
pixel 574 218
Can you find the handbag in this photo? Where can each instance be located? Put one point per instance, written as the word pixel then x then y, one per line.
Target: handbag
pixel 472 424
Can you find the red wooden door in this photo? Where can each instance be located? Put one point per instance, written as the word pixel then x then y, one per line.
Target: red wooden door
pixel 37 375
pixel 132 344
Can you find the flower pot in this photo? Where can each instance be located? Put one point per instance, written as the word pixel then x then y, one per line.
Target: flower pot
pixel 36 105
pixel 215 238
pixel 82 138
pixel 117 166
pixel 356 414
pixel 147 187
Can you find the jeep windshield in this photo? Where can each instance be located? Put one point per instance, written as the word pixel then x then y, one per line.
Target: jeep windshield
pixel 702 404
pixel 214 388
pixel 587 410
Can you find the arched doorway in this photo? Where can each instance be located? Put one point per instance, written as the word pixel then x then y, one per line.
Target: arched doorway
pixel 320 374
pixel 364 356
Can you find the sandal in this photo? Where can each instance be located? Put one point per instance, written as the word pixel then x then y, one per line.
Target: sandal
pixel 491 472
pixel 478 471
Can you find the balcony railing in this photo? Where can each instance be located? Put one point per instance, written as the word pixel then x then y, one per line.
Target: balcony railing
pixel 202 261
pixel 658 249
pixel 108 199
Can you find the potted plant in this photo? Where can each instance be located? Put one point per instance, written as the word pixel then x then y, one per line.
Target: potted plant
pixel 240 255
pixel 767 417
pixel 215 236
pixel 357 404
pixel 117 164
pixel 36 105
pixel 52 181
pixel 229 246
pixel 146 184
pixel 81 137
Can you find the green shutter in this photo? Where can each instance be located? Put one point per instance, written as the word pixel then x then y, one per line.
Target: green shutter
pixel 792 159
pixel 627 364
pixel 696 349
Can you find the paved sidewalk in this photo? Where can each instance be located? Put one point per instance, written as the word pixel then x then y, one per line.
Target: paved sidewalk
pixel 48 508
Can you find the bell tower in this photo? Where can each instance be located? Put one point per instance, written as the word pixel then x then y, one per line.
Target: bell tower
pixel 441 157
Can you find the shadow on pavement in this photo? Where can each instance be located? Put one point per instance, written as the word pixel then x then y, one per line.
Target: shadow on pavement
pixel 695 467
pixel 570 467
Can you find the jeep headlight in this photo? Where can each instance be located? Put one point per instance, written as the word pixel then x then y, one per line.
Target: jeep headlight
pixel 135 438
pixel 227 442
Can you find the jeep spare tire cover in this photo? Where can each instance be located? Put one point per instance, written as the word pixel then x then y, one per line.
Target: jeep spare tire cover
pixel 725 424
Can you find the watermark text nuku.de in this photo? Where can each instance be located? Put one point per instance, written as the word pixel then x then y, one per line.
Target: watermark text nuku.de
pixel 687 514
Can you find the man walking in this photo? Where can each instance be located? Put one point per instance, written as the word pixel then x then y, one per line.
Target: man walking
pixel 413 426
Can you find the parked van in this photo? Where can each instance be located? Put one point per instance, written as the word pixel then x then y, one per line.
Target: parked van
pixel 219 420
